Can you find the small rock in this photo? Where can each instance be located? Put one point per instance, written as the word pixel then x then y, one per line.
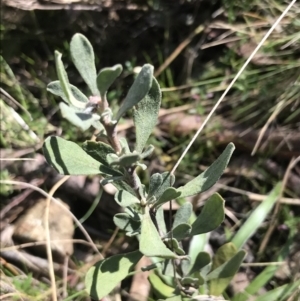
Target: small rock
pixel 30 227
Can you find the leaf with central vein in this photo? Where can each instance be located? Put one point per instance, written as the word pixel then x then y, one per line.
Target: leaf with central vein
pixel 56 89
pixel 107 76
pixel 68 158
pixel 211 215
pixel 83 57
pixel 98 150
pixel 151 244
pixel 138 90
pixel 145 115
pixel 210 176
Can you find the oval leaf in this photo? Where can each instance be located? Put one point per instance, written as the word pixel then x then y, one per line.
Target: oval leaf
pixel 83 57
pixel 102 278
pixel 151 244
pixel 145 115
pixel 125 199
pixel 180 232
pixel 126 223
pixel 202 260
pixel 138 90
pixel 159 183
pixel 68 158
pixel 168 195
pixel 183 214
pixel 98 150
pixel 211 215
pixel 210 176
pixel 106 77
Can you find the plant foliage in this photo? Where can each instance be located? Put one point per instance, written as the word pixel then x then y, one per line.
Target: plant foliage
pixel 142 216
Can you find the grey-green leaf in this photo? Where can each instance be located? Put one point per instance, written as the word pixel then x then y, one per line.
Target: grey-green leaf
pixel 83 57
pixel 123 185
pixel 160 218
pixel 168 180
pixel 211 215
pixel 145 115
pixel 168 195
pixel 64 82
pixel 174 245
pixel 183 214
pixel 102 278
pixel 126 223
pixel 210 176
pixel 106 77
pixel 129 159
pixel 154 183
pixel 56 89
pixel 81 120
pixel 124 145
pixel 151 244
pixel 68 158
pixel 138 90
pixel 98 150
pixel 180 231
pixel 125 199
pixel 202 260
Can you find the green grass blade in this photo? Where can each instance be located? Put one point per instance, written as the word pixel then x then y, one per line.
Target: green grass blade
pixel 255 219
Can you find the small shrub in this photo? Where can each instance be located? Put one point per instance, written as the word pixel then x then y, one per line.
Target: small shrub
pixel 177 275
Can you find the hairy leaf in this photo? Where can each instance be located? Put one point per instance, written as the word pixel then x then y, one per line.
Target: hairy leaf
pixel 128 159
pixel 98 150
pixel 151 244
pixel 145 115
pixel 168 195
pixel 202 260
pixel 107 76
pixel 68 158
pixel 56 89
pixel 126 223
pixel 159 183
pixel 125 199
pixel 83 57
pixel 124 145
pixel 183 214
pixel 64 82
pixel 180 231
pixel 210 176
pixel 154 183
pixel 123 185
pixel 211 215
pixel 81 120
pixel 103 277
pixel 174 245
pixel 138 90
pixel 160 218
